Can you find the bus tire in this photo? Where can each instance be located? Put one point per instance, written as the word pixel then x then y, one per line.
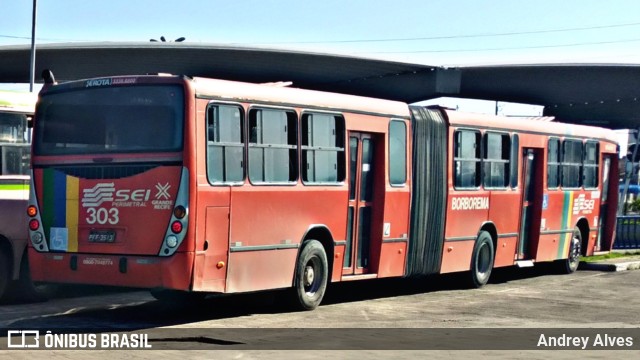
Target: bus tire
pixel 570 264
pixel 5 271
pixel 24 287
pixel 481 260
pixel 311 276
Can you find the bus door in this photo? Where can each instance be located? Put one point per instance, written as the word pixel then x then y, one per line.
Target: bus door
pixel 531 202
pixel 359 214
pixel 607 173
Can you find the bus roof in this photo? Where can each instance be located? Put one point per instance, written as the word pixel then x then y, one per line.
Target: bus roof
pixel 19 102
pixel 277 94
pixel 530 125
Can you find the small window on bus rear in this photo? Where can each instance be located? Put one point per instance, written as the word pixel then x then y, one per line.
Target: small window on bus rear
pixel 553 163
pixel 571 164
pixel 591 164
pixel 225 144
pixel 397 153
pixel 322 148
pixel 273 149
pixel 466 161
pixel 496 160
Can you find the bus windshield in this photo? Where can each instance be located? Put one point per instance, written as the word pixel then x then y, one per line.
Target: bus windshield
pixel 14 144
pixel 110 120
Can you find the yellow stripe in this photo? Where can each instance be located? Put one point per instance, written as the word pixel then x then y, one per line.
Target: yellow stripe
pixel 568 225
pixel 72 212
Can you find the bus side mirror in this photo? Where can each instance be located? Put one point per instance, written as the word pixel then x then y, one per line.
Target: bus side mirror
pixel 29 122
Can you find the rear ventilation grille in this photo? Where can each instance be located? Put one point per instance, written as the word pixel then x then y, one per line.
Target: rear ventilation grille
pixel 104 172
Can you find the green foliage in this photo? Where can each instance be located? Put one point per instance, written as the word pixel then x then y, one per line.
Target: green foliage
pixel 634 205
pixel 611 255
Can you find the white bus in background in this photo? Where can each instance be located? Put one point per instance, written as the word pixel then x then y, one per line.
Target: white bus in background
pixel 16 109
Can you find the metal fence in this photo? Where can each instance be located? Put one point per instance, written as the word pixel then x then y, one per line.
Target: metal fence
pixel 627 232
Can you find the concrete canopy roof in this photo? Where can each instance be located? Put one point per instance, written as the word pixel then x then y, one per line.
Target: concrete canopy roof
pixel 603 95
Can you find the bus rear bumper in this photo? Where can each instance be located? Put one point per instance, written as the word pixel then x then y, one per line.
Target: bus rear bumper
pixel 116 270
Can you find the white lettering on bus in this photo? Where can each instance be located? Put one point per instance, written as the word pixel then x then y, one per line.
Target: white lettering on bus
pixel 97 82
pixel 123 81
pixel 583 205
pixel 470 203
pixel 97 261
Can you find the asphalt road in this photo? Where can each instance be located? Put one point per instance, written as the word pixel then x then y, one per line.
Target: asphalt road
pixel 515 298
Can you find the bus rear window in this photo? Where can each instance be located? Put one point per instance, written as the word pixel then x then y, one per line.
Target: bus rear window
pixel 110 120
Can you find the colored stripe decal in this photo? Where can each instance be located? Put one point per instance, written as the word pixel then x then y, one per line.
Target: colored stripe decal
pixel 59 199
pixel 48 211
pixel 72 212
pixel 60 205
pixel 567 211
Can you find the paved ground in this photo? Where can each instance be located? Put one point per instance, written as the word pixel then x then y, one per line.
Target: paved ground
pixel 528 298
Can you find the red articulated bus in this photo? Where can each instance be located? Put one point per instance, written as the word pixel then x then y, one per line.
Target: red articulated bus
pixel 209 186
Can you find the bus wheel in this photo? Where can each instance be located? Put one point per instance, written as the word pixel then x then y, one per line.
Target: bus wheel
pixel 24 287
pixel 311 276
pixel 5 272
pixel 481 260
pixel 570 264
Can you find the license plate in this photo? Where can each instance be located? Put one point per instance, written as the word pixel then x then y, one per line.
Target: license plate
pixel 102 236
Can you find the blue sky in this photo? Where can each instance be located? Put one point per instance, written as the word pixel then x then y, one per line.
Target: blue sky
pixel 434 32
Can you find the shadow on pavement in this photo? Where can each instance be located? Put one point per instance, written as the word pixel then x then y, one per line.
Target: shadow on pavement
pixel 144 313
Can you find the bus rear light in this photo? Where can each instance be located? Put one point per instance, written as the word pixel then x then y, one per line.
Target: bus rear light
pixel 36 237
pixel 34 224
pixel 179 212
pixel 176 227
pixel 172 241
pixel 32 211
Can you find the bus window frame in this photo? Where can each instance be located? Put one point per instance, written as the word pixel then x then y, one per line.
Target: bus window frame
pixel 484 153
pixel 344 149
pixel 406 147
pixel 248 144
pixel 596 165
pixel 514 158
pixel 479 160
pixel 562 164
pixel 243 116
pixel 558 163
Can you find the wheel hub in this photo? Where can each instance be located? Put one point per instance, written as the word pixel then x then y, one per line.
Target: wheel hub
pixel 309 275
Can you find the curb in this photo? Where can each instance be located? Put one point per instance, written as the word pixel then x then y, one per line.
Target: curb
pixel 623 266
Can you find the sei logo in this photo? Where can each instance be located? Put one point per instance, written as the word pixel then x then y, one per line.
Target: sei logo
pixel 583 205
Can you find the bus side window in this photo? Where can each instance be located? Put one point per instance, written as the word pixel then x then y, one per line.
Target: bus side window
pixel 397 152
pixel 591 164
pixel 553 163
pixel 466 159
pixel 225 144
pixel 322 148
pixel 273 146
pixel 497 151
pixel 515 152
pixel 571 163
